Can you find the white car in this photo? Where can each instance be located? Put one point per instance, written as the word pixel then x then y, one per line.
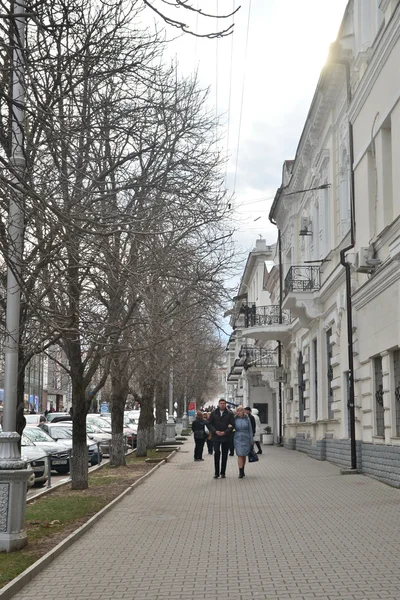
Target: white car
pixel 37 459
pixel 59 453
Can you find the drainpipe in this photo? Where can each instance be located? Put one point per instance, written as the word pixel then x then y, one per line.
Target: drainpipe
pixel 280 420
pixel 351 401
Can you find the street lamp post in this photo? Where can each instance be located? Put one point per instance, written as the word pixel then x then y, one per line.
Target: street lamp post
pixel 13 471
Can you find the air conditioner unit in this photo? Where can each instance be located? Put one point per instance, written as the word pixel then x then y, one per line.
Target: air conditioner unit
pixel 305 226
pixel 280 374
pixel 364 261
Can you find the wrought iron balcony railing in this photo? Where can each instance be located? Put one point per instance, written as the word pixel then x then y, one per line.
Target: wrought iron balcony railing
pixel 304 278
pixel 258 357
pixel 265 315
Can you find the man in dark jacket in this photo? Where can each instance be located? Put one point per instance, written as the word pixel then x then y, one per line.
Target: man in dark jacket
pixel 252 419
pixel 221 424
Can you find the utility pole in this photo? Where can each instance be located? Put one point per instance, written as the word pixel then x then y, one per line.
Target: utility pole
pixel 13 472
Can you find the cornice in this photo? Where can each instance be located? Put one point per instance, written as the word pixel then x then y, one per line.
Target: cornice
pixel 385 44
pixel 383 280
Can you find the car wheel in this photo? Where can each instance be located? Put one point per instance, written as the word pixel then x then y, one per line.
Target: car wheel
pixel 62 471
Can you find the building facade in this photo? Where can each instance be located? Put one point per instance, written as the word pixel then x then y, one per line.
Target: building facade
pixel 252 362
pixel 336 274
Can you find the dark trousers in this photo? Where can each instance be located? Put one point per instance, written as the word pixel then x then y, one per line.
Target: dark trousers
pixel 210 446
pixel 198 448
pixel 231 445
pixel 220 448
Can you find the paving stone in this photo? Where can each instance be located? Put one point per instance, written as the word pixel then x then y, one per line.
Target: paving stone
pixel 292 529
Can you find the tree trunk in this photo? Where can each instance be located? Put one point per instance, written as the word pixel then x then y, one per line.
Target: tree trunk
pixel 161 406
pixel 80 461
pixel 118 399
pixel 145 439
pixel 160 433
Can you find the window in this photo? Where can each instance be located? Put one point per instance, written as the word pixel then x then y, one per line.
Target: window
pixel 315 363
pixel 396 374
pixel 379 411
pixel 344 195
pixel 301 386
pixel 262 411
pixel 329 371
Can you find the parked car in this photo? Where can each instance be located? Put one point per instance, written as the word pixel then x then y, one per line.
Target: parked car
pixel 59 453
pixel 62 432
pixel 132 416
pixel 104 423
pixel 52 415
pixel 34 419
pixel 37 459
pixel 99 436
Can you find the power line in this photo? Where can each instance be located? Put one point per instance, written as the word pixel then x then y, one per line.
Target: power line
pixel 242 96
pixel 229 100
pixel 216 77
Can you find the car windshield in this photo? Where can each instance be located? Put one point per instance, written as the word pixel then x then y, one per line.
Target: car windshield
pixel 37 435
pixel 25 441
pixel 60 433
pixel 101 423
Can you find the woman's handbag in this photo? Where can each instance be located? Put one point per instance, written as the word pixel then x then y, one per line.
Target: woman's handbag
pixel 252 456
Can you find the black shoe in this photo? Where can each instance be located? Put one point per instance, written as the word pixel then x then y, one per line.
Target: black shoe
pixel 201 458
pixel 259 452
pixel 231 454
pixel 216 476
pixel 241 473
pixel 223 475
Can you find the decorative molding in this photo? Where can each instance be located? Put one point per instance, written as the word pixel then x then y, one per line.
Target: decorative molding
pixel 389 37
pixel 4 502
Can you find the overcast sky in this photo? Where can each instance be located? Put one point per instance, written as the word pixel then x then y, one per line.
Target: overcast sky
pixel 287 45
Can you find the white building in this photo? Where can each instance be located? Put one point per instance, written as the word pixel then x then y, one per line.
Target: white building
pixel 251 363
pixel 338 214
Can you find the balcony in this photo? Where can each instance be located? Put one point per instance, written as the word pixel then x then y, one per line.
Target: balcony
pixel 301 284
pixel 258 358
pixel 236 370
pixel 266 322
pixel 304 278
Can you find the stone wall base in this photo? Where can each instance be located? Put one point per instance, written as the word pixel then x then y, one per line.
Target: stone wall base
pixel 375 460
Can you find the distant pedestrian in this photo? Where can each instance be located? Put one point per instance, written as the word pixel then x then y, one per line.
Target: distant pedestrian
pixel 257 435
pixel 221 424
pixel 252 419
pixel 243 438
pixel 231 437
pixel 209 441
pixel 200 435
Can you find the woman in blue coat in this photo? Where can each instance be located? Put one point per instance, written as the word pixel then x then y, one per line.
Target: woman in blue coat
pixel 243 438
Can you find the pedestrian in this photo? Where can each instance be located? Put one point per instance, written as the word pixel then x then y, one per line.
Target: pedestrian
pixel 252 419
pixel 257 435
pixel 231 437
pixel 243 438
pixel 199 434
pixel 221 424
pixel 209 441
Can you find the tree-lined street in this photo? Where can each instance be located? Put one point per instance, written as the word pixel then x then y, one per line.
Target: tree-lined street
pixel 237 538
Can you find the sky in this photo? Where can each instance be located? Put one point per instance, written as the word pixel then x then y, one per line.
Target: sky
pixel 262 80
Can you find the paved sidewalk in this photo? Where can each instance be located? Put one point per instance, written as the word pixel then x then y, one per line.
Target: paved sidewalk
pixel 292 529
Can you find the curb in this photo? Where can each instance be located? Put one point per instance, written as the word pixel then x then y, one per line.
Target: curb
pixel 9 590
